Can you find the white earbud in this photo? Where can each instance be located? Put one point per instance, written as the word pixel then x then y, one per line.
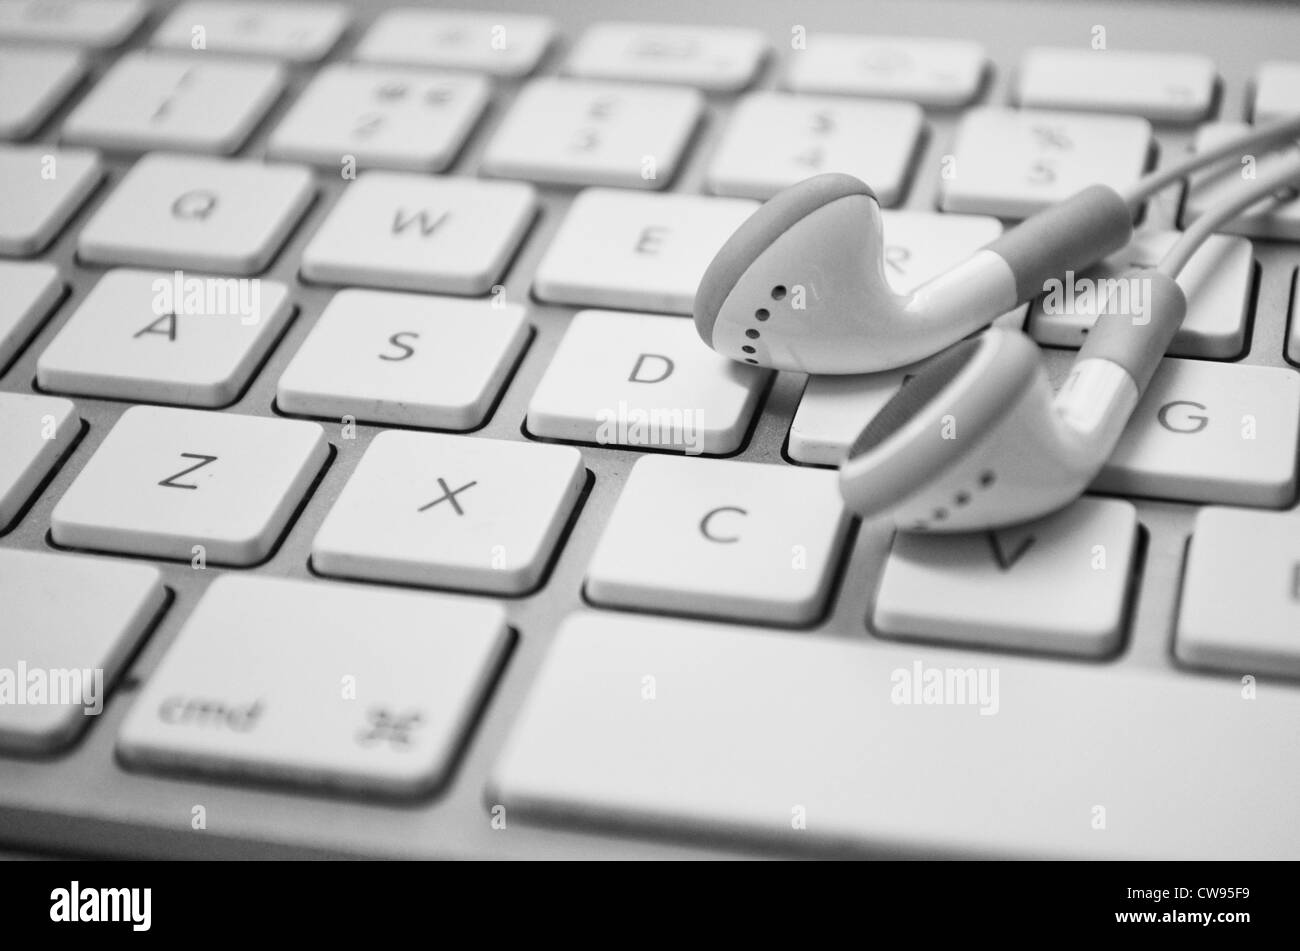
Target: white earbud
pixel 801 284
pixel 976 439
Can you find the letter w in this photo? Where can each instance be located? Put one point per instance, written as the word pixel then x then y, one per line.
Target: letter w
pixel 402 221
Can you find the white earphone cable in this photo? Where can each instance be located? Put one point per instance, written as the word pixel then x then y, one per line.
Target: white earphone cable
pixel 1280 182
pixel 1262 139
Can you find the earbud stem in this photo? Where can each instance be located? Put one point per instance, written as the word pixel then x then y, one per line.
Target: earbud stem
pixel 1070 235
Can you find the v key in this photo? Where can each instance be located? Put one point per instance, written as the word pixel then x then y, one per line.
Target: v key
pixel 1007 557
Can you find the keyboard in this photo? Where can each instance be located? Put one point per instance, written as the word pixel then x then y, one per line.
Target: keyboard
pixel 367 491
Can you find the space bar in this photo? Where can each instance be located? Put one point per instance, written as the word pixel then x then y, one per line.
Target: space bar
pixel 800 742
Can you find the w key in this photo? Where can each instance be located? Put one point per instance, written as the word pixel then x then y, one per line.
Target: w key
pixel 192 485
pixel 416 233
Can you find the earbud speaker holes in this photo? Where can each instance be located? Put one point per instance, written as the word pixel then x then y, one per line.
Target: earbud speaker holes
pixel 761 314
pixel 778 292
pixel 748 349
pixel 751 334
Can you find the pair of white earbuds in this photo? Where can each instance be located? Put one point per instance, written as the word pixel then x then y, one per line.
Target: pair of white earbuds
pixel 977 439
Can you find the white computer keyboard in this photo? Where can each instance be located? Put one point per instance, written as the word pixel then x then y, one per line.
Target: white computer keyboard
pixel 446 536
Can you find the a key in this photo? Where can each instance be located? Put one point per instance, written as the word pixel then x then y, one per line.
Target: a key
pixel 98 24
pixel 41 188
pixel 354 688
pixel 636 251
pixel 410 232
pixel 1277 89
pixel 156 100
pixel 452 512
pixel 166 337
pixel 499 44
pixel 774 140
pixel 715 59
pixel 831 744
pixel 918 246
pixel 28 292
pixel 68 626
pixel 1241 593
pixel 405 360
pixel 192 485
pixel 381 117
pixel 1012 163
pixel 298 32
pixel 1057 585
pixel 32 84
pixel 1267 219
pixel 740 540
pixel 643 380
pixel 1163 87
pixel 576 132
pixel 1218 281
pixel 36 431
pixel 931 72
pixel 1211 433
pixel 226 216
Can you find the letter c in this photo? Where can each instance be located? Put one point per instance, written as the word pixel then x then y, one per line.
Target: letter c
pixel 724 539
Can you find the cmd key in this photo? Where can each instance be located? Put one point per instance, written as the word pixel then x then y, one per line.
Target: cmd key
pixel 354 688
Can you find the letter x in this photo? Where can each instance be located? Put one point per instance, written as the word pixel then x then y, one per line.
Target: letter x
pixel 449 495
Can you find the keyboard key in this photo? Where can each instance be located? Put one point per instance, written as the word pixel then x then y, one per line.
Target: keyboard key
pixel 740 540
pixel 918 246
pixel 1164 87
pixel 227 216
pixel 636 251
pixel 32 84
pixel 154 100
pixel 405 360
pixel 1267 219
pixel 183 483
pixel 93 23
pixel 1241 593
pixel 828 744
pixel 875 141
pixel 41 188
pixel 715 59
pixel 570 132
pixel 36 432
pixel 69 625
pixel 931 72
pixel 644 380
pixel 499 44
pixel 451 511
pixel 166 337
pixel 1058 585
pixel 300 32
pixel 418 666
pixel 28 292
pixel 1277 89
pixel 411 232
pixel 1211 433
pixel 1218 281
pixel 381 117
pixel 1013 163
